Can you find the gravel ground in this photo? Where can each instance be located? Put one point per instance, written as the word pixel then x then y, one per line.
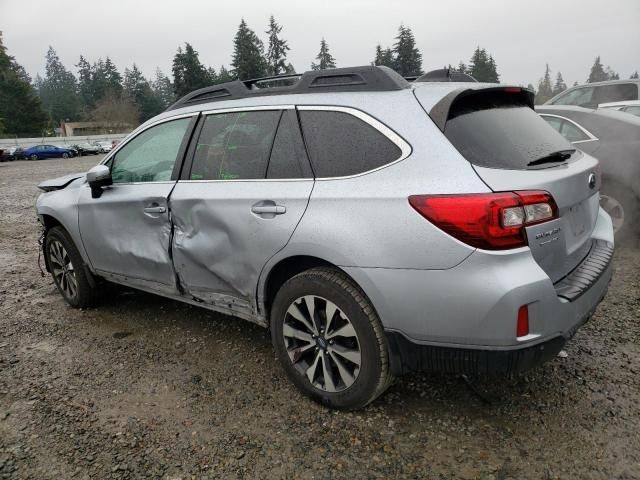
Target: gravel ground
pixel 143 387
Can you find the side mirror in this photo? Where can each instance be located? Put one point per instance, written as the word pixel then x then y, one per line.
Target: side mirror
pixel 98 177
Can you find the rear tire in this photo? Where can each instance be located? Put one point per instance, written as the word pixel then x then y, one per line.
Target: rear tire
pixel 69 271
pixel 344 367
pixel 624 208
pixel 34 157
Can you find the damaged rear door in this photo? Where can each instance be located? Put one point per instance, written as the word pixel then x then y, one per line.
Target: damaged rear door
pixel 127 230
pixel 244 188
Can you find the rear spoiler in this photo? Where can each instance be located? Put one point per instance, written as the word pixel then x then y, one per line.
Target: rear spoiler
pixel 457 100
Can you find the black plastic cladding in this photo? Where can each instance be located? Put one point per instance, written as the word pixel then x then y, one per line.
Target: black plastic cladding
pixel 355 79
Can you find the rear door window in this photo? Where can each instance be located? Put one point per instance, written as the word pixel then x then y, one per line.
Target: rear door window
pixel 340 144
pixel 288 158
pixel 235 145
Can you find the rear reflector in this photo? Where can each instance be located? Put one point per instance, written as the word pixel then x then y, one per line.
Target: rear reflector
pixel 522 328
pixel 492 221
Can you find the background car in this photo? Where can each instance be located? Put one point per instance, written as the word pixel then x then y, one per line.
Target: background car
pixel 614 139
pixel 593 94
pixel 87 149
pixel 629 106
pixel 39 152
pixel 9 154
pixel 105 147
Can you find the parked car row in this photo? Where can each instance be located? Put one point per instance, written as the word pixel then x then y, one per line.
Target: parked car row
pixel 39 152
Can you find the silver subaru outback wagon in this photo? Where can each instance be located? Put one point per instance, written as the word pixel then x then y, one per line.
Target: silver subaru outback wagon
pixel 375 226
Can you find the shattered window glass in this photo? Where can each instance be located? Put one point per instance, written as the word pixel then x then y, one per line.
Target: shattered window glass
pixel 235 145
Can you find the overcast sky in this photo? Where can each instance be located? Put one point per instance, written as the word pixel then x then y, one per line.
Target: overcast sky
pixel 521 35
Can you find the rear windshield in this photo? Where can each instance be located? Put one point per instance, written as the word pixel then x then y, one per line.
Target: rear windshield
pixel 500 135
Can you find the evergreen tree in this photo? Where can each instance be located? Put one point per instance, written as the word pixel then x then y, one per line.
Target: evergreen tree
pixel 277 51
pixel 113 79
pixel 248 54
pixel 324 58
pixel 20 109
pixel 188 73
pixel 384 57
pixel 407 57
pixel 545 88
pixel 559 86
pixel 597 73
pixel 138 89
pixel 462 68
pixel 483 67
pixel 59 90
pixel 163 89
pixel 85 84
pixel 634 75
pixel 611 74
pixel 224 75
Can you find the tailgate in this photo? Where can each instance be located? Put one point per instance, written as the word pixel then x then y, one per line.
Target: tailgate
pixel 511 148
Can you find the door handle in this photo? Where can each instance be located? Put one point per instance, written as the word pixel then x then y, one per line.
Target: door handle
pixel 157 209
pixel 262 209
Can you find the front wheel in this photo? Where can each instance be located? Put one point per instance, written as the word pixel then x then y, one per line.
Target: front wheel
pixel 330 340
pixel 65 155
pixel 68 270
pixel 34 157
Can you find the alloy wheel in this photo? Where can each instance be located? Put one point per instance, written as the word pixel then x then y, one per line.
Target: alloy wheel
pixel 63 270
pixel 615 210
pixel 322 343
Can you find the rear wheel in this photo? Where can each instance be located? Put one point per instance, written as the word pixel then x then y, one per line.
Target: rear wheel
pixel 624 209
pixel 33 156
pixel 68 270
pixel 330 340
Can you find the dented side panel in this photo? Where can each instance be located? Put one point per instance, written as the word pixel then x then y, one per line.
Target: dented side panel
pixel 220 245
pixel 125 242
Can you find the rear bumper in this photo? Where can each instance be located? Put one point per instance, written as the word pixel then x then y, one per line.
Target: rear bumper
pixel 464 319
pixel 407 356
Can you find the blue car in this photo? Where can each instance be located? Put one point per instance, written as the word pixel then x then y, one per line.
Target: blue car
pixel 39 152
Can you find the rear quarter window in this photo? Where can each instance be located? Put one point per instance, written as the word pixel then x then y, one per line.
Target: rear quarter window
pixel 341 144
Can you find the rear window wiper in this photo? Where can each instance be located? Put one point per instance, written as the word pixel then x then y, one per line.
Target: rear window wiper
pixel 555 157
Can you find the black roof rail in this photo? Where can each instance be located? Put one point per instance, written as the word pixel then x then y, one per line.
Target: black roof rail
pixel 445 75
pixel 355 79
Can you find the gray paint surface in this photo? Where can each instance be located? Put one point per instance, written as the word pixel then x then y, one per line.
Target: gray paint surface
pixel 421 281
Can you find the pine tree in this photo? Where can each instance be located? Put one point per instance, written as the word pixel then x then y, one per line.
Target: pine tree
pixel 113 79
pixel 545 88
pixel 224 75
pixel 188 73
pixel 611 74
pixel 324 58
pixel 483 67
pixel 163 89
pixel 559 86
pixel 634 75
pixel 20 109
pixel 59 90
pixel 384 57
pixel 277 51
pixel 407 57
pixel 85 84
pixel 248 54
pixel 138 89
pixel 462 68
pixel 597 73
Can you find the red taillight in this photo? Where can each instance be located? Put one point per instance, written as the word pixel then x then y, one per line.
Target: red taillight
pixel 522 327
pixel 492 221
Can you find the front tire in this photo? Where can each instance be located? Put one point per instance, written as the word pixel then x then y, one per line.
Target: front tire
pixel 329 339
pixel 34 157
pixel 68 270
